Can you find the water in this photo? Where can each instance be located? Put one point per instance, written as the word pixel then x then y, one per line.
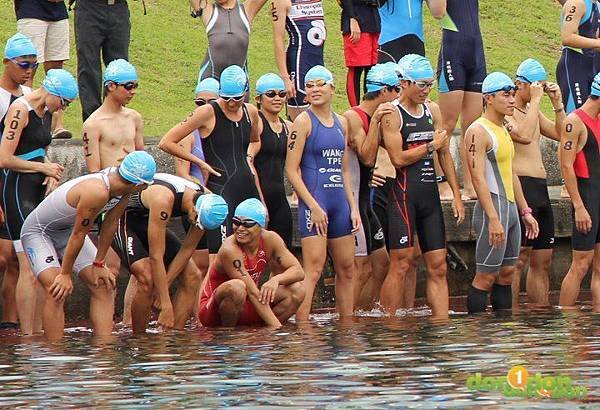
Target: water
pixel 369 362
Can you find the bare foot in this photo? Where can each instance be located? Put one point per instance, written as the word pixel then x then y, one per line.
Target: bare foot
pixel 564 193
pixel 445 192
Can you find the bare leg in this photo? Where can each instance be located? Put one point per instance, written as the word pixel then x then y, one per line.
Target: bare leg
pixel 54 314
pixel 393 286
pixel 450 106
pixel 102 303
pixel 380 263
pixel 538 282
pixel 287 300
pixel 595 285
pixel 342 252
pixel 231 298
pixel 569 290
pixel 522 264
pixel 363 273
pixel 314 254
pixel 200 258
pixel 10 265
pixel 437 283
pixel 410 282
pixel 26 296
pixel 130 292
pixel 186 296
pixel 142 302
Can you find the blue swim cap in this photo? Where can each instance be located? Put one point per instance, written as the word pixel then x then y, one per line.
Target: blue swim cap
pixel 404 62
pixel 234 82
pixel 120 72
pixel 269 81
pixel 19 46
pixel 531 70
pixel 209 85
pixel 596 86
pixel 138 167
pixel 416 69
pixel 495 82
pixel 252 209
pixel 381 75
pixel 318 72
pixel 61 83
pixel 212 210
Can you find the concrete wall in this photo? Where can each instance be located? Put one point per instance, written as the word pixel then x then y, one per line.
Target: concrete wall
pixel 461 238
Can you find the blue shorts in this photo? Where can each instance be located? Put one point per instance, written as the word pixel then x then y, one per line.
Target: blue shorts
pixel 298 64
pixel 461 63
pixel 574 74
pixel 338 213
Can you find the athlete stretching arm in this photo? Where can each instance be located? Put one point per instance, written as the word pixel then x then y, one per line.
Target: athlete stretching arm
pixel 573 138
pixel 279 12
pixel 548 128
pixel 299 131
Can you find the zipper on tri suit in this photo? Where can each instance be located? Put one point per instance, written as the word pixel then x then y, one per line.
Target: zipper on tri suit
pixel 229 20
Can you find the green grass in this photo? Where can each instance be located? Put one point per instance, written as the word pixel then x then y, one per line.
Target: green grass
pixel 167 47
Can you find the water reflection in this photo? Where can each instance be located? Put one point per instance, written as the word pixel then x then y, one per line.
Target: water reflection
pixel 365 362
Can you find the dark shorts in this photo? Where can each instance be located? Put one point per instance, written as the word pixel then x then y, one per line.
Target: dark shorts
pixel 396 49
pixel 298 64
pixel 536 194
pixel 131 239
pixel 574 75
pixel 380 201
pixel 370 236
pixel 461 63
pixel 208 314
pixel 417 211
pixel 590 195
pixel 364 53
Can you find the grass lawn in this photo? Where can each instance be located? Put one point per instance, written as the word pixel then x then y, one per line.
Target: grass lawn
pixel 167 47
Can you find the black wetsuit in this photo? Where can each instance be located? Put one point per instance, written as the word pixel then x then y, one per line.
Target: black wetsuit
pixel 414 202
pixel 269 164
pixel 225 149
pixel 22 191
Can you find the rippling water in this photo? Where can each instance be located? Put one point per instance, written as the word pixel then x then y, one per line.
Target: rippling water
pixel 369 362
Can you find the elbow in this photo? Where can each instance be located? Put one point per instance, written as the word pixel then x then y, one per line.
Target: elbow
pixel 567 39
pixel 163 145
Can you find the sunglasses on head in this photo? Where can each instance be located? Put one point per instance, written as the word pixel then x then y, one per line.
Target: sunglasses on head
pixel 273 94
pixel 129 85
pixel 246 223
pixel 315 83
pixel 26 65
pixel 422 85
pixel 201 101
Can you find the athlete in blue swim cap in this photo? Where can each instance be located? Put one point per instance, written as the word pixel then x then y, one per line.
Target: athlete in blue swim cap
pixel 580 163
pixel 229 129
pixel 20 61
pixel 270 161
pixel 317 168
pixel 231 295
pixel 528 124
pixel 414 209
pixel 363 142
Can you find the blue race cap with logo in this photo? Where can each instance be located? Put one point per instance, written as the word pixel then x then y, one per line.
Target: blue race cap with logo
pixel 404 62
pixel 120 72
pixel 417 68
pixel 596 86
pixel 19 46
pixel 497 81
pixel 252 209
pixel 61 83
pixel 207 85
pixel 380 76
pixel 212 210
pixel 318 72
pixel 138 167
pixel 531 70
pixel 269 81
pixel 234 82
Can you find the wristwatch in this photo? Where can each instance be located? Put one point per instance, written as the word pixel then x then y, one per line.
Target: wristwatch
pixel 430 147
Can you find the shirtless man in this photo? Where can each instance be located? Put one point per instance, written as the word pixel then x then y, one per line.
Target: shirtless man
pixel 110 133
pixel 527 125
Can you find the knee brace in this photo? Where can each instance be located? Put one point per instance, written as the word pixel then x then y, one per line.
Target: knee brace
pixel 501 297
pixel 476 300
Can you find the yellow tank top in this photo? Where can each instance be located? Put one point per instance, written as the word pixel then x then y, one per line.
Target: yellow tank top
pixel 498 163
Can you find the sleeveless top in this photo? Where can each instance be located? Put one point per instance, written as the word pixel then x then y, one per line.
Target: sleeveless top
pixel 195 170
pixel 175 184
pixel 36 136
pixel 228 32
pixel 588 26
pixel 498 162
pixel 321 164
pixel 255 266
pixel 270 161
pixel 417 131
pixel 306 27
pixel 462 16
pixel 6 99
pixel 587 161
pixel 400 18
